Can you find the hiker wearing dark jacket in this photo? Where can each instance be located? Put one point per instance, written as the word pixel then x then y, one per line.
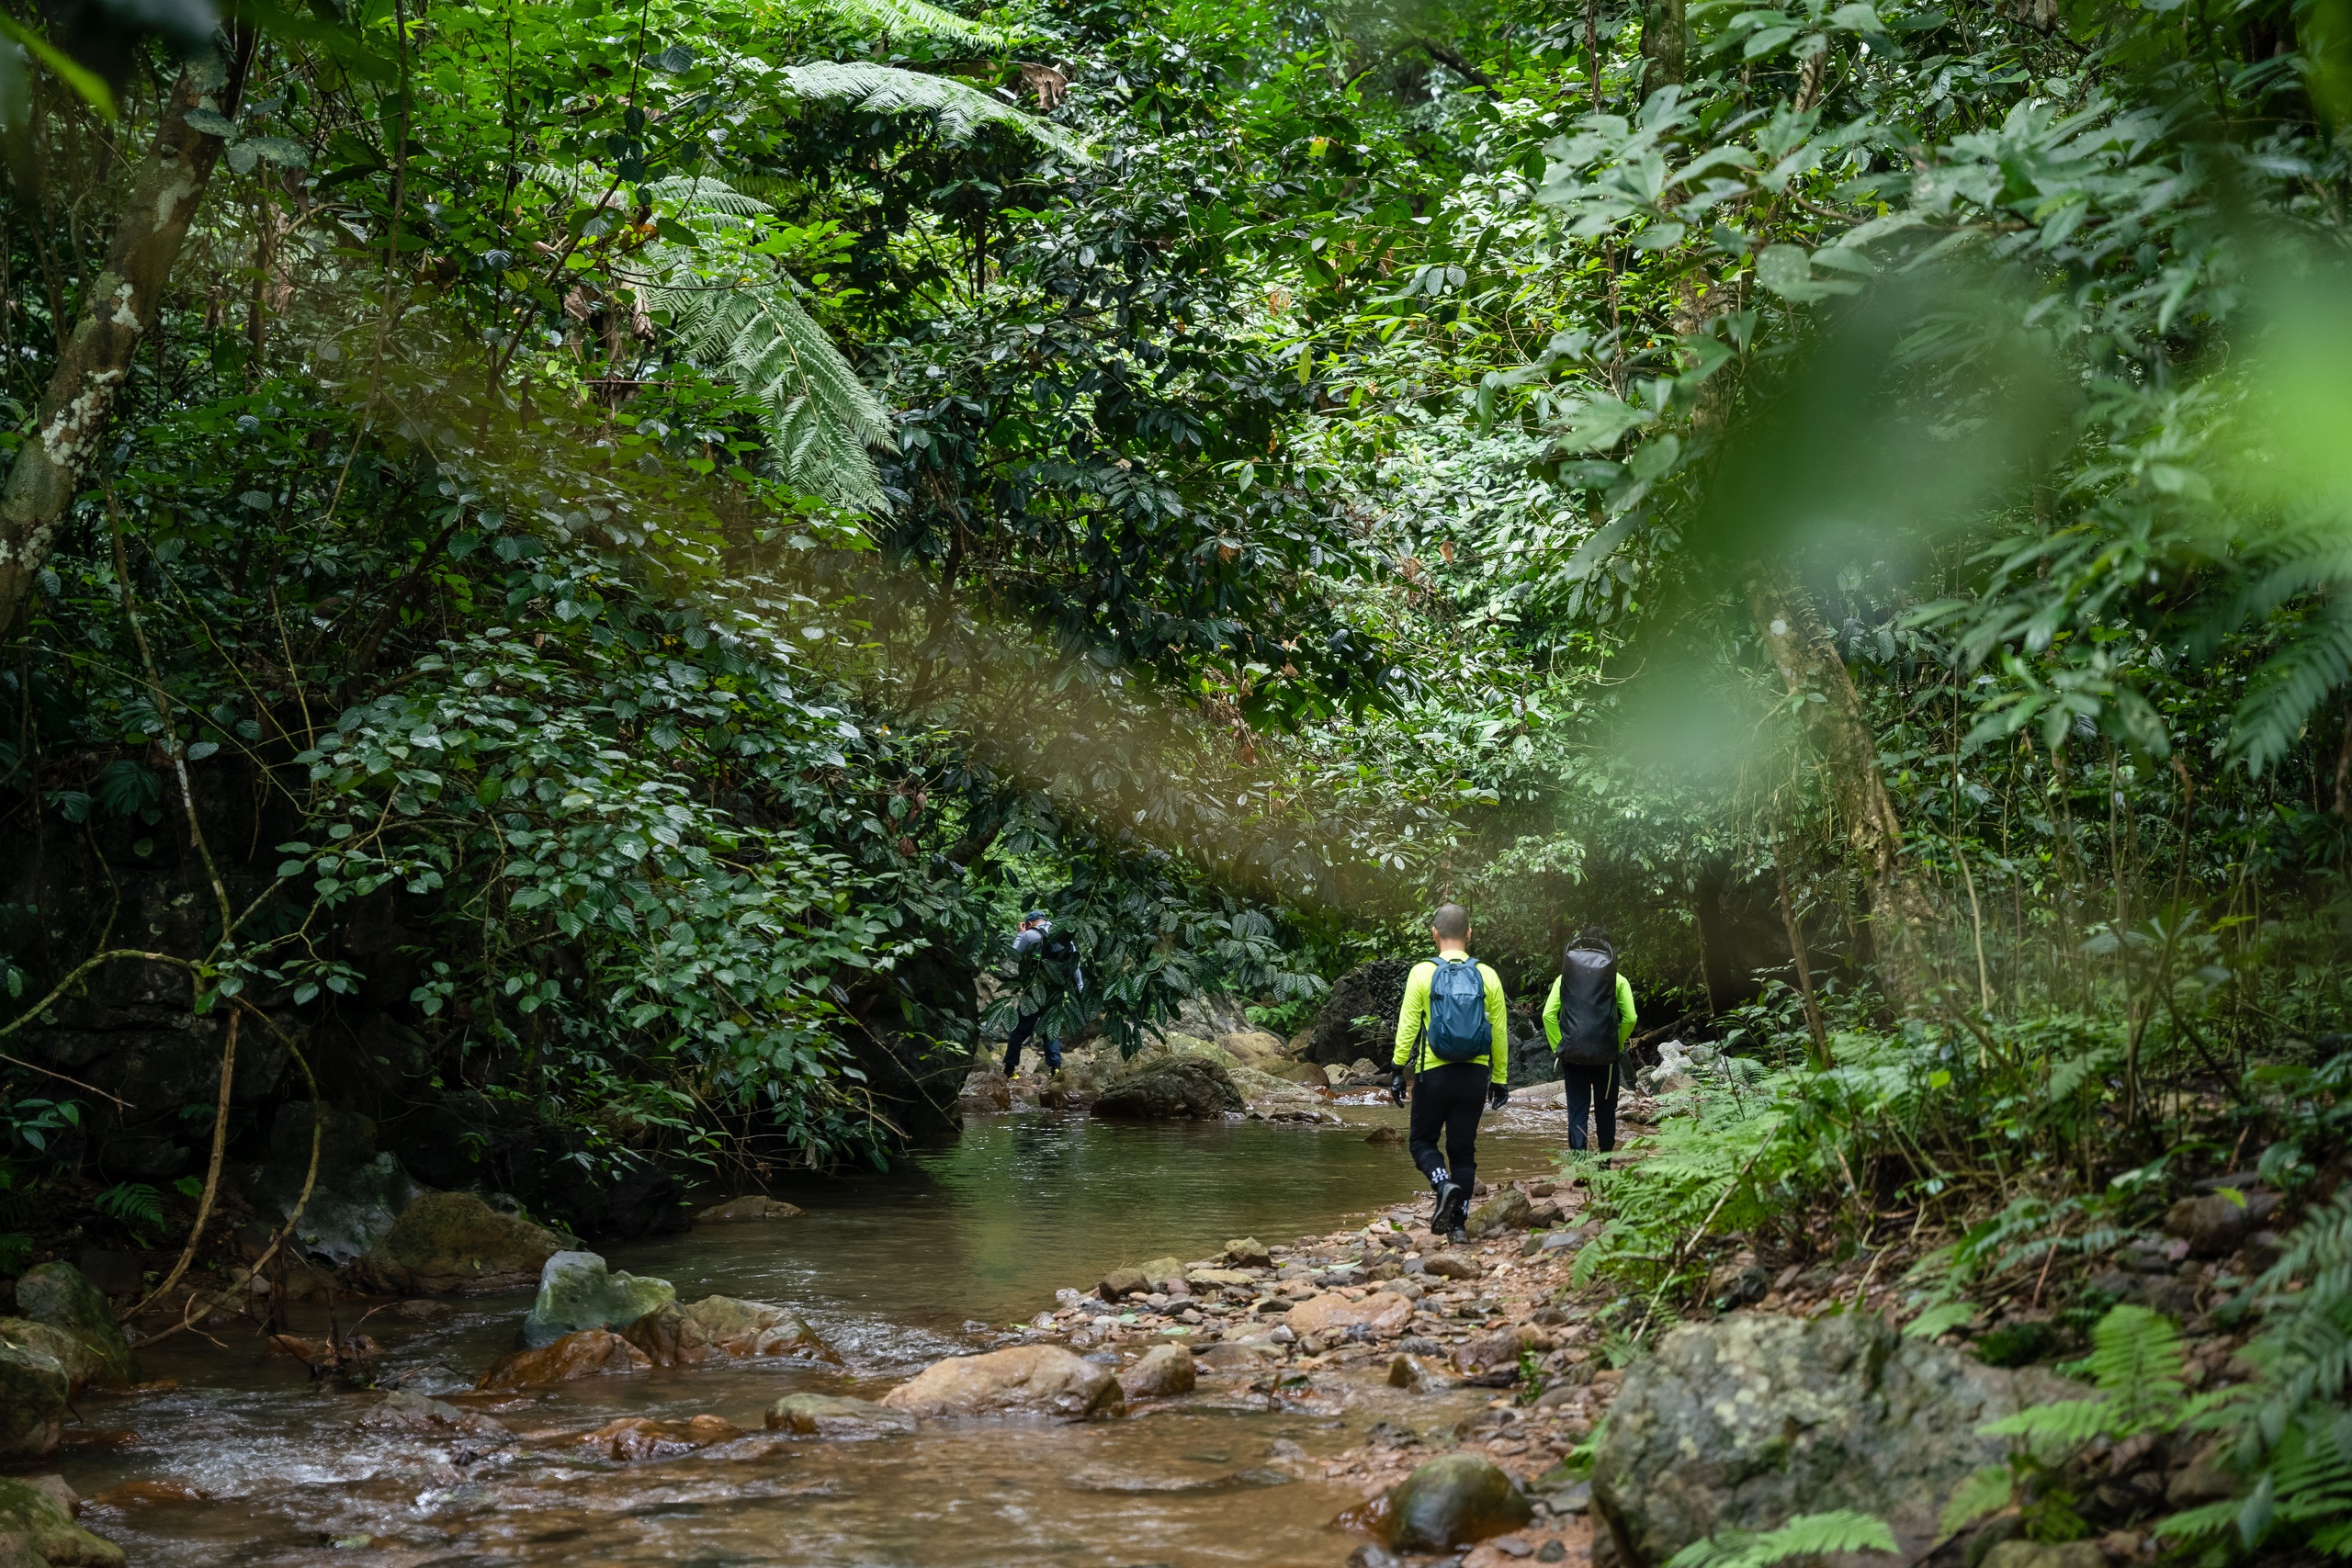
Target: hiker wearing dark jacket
pixel 1587 1018
pixel 1453 1050
pixel 1050 959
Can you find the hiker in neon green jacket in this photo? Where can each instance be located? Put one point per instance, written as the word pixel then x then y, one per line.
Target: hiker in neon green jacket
pixel 1454 1049
pixel 1590 1051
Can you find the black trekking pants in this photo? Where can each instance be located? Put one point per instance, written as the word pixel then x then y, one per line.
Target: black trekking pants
pixel 1599 1087
pixel 1448 1099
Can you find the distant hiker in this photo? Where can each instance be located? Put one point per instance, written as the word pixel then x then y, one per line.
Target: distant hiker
pixel 1454 1049
pixel 1048 960
pixel 1587 1018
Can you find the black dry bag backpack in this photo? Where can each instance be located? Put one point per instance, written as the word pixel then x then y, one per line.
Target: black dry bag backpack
pixel 1588 1005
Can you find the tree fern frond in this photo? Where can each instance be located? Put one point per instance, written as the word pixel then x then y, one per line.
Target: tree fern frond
pixel 2317 661
pixel 885 89
pixel 818 416
pixel 699 195
pixel 1807 1535
pixel 907 19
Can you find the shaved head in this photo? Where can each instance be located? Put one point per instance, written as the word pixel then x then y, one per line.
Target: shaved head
pixel 1452 924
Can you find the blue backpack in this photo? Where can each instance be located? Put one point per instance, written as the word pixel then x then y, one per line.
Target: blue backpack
pixel 1458 1028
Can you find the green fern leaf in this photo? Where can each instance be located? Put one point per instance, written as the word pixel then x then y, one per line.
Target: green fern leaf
pixel 1807 1535
pixel 885 89
pixel 1987 1490
pixel 907 19
pixel 2315 663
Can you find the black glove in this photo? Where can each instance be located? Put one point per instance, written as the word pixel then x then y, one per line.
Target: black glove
pixel 1495 1095
pixel 1397 1085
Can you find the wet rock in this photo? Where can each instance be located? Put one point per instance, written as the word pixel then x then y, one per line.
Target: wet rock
pixel 2217 1224
pixel 1247 1252
pixel 986 1089
pixel 1380 1314
pixel 1237 1355
pixel 57 1294
pixel 1506 1210
pixel 1406 1371
pixel 1170 1088
pixel 1746 1422
pixel 1027 1379
pixel 831 1415
pixel 1165 1372
pixel 577 1292
pixel 34 1388
pixel 591 1352
pixel 751 1206
pixel 1384 1138
pixel 44 1532
pixel 403 1411
pixel 454 1241
pixel 1452 1266
pixel 1453 1500
pixel 1120 1284
pixel 636 1437
pixel 718 1327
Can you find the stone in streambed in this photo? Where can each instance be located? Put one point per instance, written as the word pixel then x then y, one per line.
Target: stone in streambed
pixel 833 1415
pixel 1027 1379
pixel 1170 1088
pixel 1452 1266
pixel 1159 1274
pixel 1380 1314
pixel 589 1353
pixel 717 1328
pixel 34 1388
pixel 454 1241
pixel 41 1531
pixel 577 1292
pixel 751 1206
pixel 636 1437
pixel 1746 1422
pixel 1165 1372
pixel 404 1411
pixel 1453 1500
pixel 1247 1252
pixel 1506 1210
pixel 57 1294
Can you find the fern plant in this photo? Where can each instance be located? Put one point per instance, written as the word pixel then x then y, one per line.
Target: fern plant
pixel 1805 1536
pixel 135 1204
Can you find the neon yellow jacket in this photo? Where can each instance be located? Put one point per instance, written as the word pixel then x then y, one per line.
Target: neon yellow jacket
pixel 1413 1019
pixel 1624 1014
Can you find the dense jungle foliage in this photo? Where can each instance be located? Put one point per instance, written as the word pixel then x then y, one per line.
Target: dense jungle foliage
pixel 573 565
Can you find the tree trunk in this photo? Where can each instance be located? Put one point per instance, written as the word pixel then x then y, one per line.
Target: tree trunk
pixel 118 313
pixel 1665 45
pixel 1802 650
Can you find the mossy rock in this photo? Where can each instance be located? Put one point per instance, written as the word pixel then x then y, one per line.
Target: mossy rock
pixel 454 1241
pixel 31 1515
pixel 34 1387
pixel 577 1292
pixel 1454 1500
pixel 57 1294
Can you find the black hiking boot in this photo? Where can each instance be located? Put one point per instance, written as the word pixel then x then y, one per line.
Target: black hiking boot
pixel 1449 1200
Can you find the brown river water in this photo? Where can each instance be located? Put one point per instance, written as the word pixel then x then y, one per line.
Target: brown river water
pixel 247 1462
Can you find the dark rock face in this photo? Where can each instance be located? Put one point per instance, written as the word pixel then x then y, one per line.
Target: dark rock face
pixel 33 1391
pixel 1376 990
pixel 1454 1500
pixel 1172 1089
pixel 1745 1423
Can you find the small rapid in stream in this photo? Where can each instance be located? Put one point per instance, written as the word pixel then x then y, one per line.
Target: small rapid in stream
pixel 248 1462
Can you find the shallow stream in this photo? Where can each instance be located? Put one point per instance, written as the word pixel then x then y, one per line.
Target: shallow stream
pixel 248 1462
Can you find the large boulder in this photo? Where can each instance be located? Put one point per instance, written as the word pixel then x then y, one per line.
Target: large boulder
pixel 591 1352
pixel 454 1241
pixel 1172 1088
pixel 34 1387
pixel 1027 1379
pixel 41 1530
pixel 358 1193
pixel 1453 1500
pixel 577 1292
pixel 57 1294
pixel 721 1327
pixel 1746 1422
pixel 1374 990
